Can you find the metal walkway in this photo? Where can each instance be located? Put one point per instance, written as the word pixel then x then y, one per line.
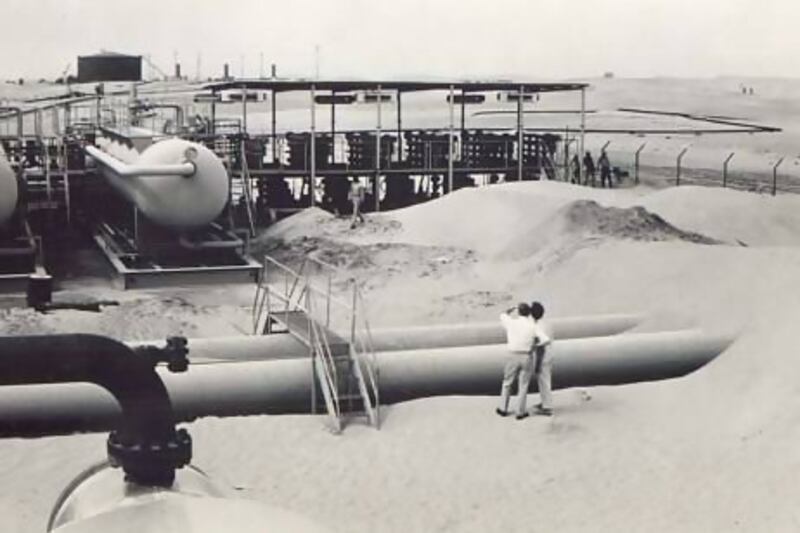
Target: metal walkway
pixel 289 301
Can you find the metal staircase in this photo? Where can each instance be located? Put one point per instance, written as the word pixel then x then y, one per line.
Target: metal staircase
pixel 302 303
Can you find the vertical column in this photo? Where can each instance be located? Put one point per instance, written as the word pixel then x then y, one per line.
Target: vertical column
pixel 312 187
pixel 583 133
pixel 520 128
pixel 274 124
pixel 463 121
pixel 97 111
pixel 214 115
pixel 244 109
pixel 450 141
pixel 333 127
pixel 377 185
pixel 399 128
pixel 567 173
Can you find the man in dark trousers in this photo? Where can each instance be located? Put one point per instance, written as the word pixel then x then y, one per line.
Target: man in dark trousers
pixel 576 169
pixel 543 364
pixel 605 169
pixel 588 165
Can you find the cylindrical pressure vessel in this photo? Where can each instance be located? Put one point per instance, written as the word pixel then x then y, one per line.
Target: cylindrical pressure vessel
pixel 8 189
pixel 174 201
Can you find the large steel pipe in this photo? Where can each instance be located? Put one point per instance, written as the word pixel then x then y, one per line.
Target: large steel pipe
pixel 267 347
pixel 284 385
pixel 8 189
pixel 174 183
pixel 482 333
pixel 581 362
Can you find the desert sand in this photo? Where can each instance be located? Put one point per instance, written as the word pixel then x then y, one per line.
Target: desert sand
pixel 710 451
pixel 713 451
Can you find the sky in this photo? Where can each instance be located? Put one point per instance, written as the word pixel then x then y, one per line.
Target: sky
pixel 455 39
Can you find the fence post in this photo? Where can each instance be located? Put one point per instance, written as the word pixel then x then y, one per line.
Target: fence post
pixel 725 170
pixel 636 163
pixel 678 165
pixel 775 176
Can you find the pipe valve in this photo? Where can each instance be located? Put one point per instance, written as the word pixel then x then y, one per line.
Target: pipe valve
pixel 174 354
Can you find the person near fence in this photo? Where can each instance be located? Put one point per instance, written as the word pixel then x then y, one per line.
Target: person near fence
pixel 588 165
pixel 520 335
pixel 576 169
pixel 605 170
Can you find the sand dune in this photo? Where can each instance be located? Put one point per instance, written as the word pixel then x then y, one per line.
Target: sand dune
pixel 713 451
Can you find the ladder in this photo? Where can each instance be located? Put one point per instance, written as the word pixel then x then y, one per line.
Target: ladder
pixel 344 365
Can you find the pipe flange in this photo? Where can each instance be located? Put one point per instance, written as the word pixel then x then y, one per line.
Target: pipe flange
pixel 150 463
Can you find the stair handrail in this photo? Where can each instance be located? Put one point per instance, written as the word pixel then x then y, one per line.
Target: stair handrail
pixel 361 344
pixel 264 289
pixel 360 335
pixel 367 345
pixel 326 370
pixel 245 176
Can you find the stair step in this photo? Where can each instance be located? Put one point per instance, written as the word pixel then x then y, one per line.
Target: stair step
pixel 350 397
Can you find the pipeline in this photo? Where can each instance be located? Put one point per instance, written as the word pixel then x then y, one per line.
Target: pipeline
pixel 269 347
pixel 144 441
pixel 281 386
pixel 127 170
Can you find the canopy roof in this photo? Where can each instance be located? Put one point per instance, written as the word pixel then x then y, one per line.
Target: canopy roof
pixel 402 86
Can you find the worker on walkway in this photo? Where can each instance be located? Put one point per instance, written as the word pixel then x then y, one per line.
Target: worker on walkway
pixel 605 169
pixel 543 365
pixel 520 335
pixel 356 196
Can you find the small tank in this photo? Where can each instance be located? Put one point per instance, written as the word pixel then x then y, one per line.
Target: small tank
pixel 8 189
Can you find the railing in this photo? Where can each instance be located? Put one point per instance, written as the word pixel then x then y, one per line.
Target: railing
pixel 324 366
pixel 310 289
pixel 262 302
pixel 356 328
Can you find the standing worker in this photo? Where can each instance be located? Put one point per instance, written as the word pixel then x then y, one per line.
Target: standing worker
pixel 576 169
pixel 605 169
pixel 543 367
pixel 588 165
pixel 356 196
pixel 520 334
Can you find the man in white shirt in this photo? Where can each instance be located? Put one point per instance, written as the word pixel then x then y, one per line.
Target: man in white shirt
pixel 521 331
pixel 543 365
pixel 356 196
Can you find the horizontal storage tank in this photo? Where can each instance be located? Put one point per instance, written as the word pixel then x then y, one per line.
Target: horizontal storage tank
pixel 8 189
pixel 174 183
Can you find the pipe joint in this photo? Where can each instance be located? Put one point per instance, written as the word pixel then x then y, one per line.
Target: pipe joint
pixel 150 462
pixel 174 354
